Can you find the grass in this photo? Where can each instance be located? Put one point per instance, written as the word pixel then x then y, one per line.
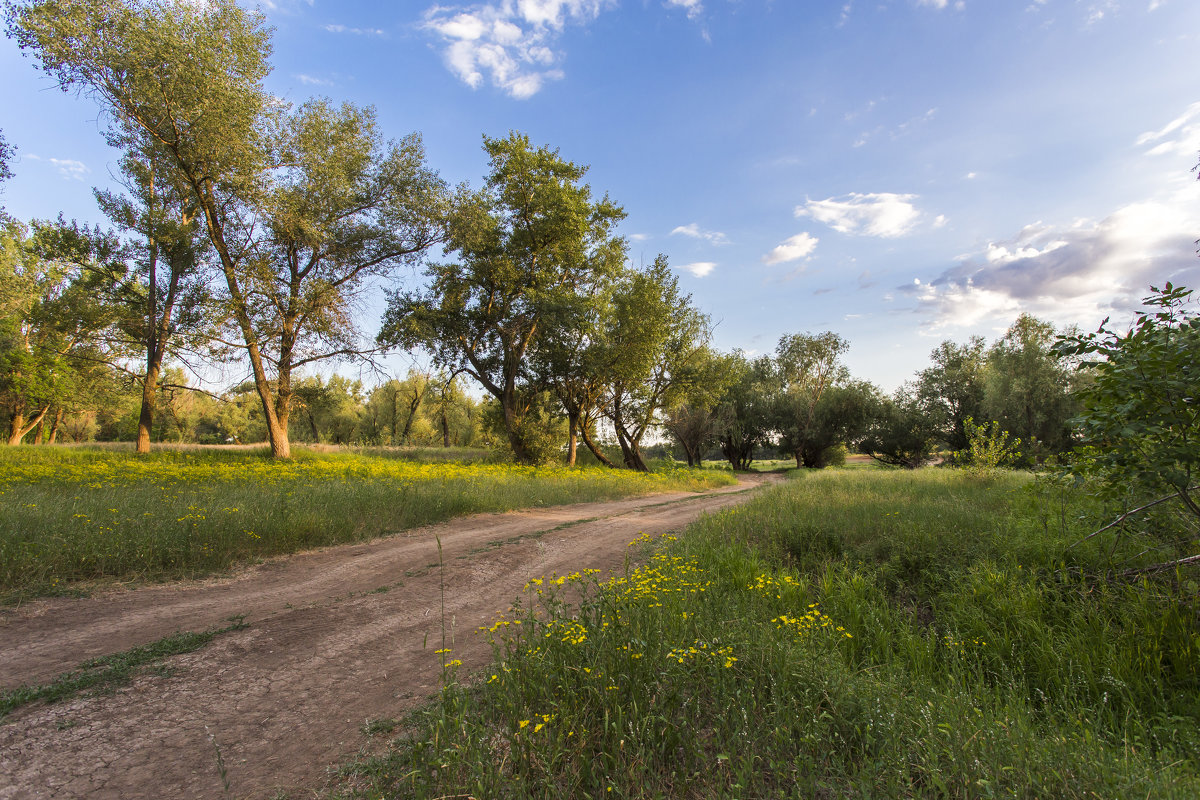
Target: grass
pixel 70 517
pixel 851 633
pixel 110 672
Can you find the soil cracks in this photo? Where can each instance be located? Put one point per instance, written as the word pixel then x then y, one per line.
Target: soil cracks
pixel 335 637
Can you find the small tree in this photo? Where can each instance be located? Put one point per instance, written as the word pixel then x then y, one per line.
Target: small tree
pixel 989 448
pixel 902 432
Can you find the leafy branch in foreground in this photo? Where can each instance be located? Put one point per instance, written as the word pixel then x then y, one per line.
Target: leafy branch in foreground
pixel 1141 410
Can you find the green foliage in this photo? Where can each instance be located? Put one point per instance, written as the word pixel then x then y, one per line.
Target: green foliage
pixel 1140 416
pixel 533 249
pixel 989 448
pixel 901 432
pixel 951 389
pixel 1027 388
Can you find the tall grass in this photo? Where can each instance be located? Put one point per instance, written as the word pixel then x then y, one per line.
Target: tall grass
pixel 74 515
pixel 850 634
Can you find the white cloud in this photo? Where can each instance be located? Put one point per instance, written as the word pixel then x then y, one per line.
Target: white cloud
pixel 884 214
pixel 356 31
pixel 1077 273
pixel 699 268
pixel 694 7
pixel 74 170
pixel 509 42
pixel 1180 136
pixel 959 5
pixel 694 231
pixel 799 246
pixel 638 237
pixel 309 80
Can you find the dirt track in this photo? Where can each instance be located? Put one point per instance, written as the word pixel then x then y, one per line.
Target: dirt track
pixel 326 649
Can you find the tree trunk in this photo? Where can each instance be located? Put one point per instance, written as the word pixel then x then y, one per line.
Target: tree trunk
pixel 17 427
pixel 445 429
pixel 596 451
pixel 572 435
pixel 146 416
pixel 58 415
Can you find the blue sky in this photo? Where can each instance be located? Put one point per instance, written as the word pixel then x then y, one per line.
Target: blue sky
pixel 897 171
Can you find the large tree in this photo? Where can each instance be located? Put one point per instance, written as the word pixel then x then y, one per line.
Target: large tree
pixel 531 247
pixel 182 80
pixel 343 209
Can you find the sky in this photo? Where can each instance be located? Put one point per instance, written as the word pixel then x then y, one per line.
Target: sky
pixel 900 172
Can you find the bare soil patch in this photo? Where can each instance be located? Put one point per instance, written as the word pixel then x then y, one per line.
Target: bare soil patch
pixel 336 637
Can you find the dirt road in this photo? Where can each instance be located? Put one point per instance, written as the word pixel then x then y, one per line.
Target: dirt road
pixel 335 637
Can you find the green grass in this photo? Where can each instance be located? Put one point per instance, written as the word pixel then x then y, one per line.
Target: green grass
pixel 111 672
pixel 851 633
pixel 70 517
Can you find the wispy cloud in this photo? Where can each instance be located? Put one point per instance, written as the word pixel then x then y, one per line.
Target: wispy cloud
pixel 793 249
pixel 335 28
pixel 694 231
pixel 698 268
pixel 309 80
pixel 958 5
pixel 74 170
pixel 1180 136
pixel 882 214
pixel 512 43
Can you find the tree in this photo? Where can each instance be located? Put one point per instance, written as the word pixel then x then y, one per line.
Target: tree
pixel 951 388
pixel 530 248
pixel 1139 418
pixel 693 422
pixel 161 287
pixel 840 417
pixel 901 433
pixel 656 341
pixel 744 411
pixel 342 208
pixel 50 321
pixel 1027 387
pixel 808 365
pixel 183 81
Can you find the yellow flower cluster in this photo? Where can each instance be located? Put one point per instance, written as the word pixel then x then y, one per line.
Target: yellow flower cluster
pixel 812 620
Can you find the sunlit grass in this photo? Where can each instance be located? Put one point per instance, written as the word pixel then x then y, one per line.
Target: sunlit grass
pixel 71 516
pixel 848 634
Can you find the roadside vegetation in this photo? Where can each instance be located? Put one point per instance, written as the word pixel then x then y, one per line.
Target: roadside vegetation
pixel 851 633
pixel 74 516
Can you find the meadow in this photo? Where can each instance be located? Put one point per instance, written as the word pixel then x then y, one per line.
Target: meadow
pixel 851 633
pixel 72 518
